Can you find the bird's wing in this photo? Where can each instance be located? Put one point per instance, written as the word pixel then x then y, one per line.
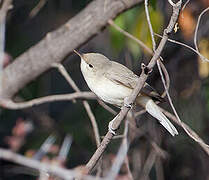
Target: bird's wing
pixel 120 74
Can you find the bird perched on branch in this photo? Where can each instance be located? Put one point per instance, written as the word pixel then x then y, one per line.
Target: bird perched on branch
pixel 113 82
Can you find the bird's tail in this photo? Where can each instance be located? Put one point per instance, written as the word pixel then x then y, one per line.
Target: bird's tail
pixel 154 110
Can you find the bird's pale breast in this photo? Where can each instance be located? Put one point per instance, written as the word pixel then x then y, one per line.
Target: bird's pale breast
pixel 109 91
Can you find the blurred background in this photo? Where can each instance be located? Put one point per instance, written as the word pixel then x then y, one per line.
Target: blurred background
pixel 66 124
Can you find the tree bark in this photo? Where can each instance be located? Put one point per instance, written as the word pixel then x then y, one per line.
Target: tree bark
pixel 59 43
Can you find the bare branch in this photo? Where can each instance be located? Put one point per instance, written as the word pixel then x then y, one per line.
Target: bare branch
pixel 52 98
pixel 37 8
pixel 171 3
pixel 65 148
pixel 166 90
pixel 148 165
pixel 126 162
pixel 183 7
pixel 6 5
pixel 187 46
pixel 65 74
pixel 93 122
pixel 105 106
pixel 130 36
pixel 167 78
pixel 123 150
pixel 196 30
pixel 159 151
pixel 159 169
pixel 150 25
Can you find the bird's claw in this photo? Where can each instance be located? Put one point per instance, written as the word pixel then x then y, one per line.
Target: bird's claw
pixel 127 104
pixel 145 69
pixel 110 128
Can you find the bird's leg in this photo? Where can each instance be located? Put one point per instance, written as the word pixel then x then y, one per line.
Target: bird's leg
pixel 145 69
pixel 111 128
pixel 127 103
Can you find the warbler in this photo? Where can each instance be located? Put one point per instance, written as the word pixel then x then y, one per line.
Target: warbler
pixel 113 82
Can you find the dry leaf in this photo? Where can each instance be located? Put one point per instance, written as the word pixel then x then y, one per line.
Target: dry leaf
pixel 187 23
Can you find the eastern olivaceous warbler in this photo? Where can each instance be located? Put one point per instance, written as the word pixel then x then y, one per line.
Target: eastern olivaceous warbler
pixel 113 82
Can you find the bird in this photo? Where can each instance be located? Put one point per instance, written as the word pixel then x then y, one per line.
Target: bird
pixel 112 82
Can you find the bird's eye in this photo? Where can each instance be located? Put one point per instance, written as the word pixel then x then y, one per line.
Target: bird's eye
pixel 90 66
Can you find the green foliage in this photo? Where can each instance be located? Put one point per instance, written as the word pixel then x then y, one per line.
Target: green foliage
pixel 117 39
pixel 153 4
pixel 134 21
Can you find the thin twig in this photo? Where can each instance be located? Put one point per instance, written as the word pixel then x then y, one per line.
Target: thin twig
pixel 150 25
pixel 167 78
pixel 7 103
pixel 93 122
pixel 171 2
pixel 86 105
pixel 196 30
pixel 183 7
pixel 44 149
pixel 167 93
pixel 65 148
pixel 187 46
pixel 105 106
pixel 159 151
pixel 154 44
pixel 122 153
pixel 126 162
pixel 148 165
pixel 159 169
pixel 37 8
pixel 111 22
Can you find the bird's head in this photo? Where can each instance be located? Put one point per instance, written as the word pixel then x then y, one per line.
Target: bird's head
pixel 93 63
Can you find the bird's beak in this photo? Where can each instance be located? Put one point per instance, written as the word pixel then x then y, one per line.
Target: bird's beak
pixel 81 56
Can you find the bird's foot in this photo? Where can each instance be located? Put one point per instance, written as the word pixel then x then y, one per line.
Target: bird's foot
pixel 145 69
pixel 127 104
pixel 110 127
